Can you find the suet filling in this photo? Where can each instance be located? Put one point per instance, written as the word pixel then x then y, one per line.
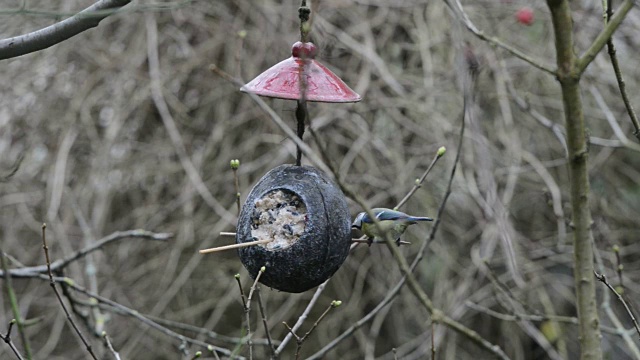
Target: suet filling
pixel 279 216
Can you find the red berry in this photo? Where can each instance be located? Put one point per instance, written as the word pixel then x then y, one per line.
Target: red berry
pixel 525 16
pixel 305 50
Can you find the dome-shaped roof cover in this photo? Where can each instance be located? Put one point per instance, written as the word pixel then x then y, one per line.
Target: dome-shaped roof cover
pixel 283 79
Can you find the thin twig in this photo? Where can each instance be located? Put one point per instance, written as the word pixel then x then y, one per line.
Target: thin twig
pixel 55 290
pixel 290 330
pixel 13 169
pixel 537 318
pixel 123 310
pixel 419 182
pixel 247 310
pixel 263 314
pixel 611 50
pixel 7 339
pixel 247 321
pixel 235 164
pixel 623 332
pixel 244 299
pixel 82 315
pixel 59 264
pixel 602 278
pixel 370 242
pixel 203 331
pixel 109 346
pixel 300 340
pixel 603 37
pixel 302 317
pixel 255 284
pixel 456 7
pixel 15 309
pixel 99 320
pixel 215 354
pixel 619 266
pixel 334 304
pixel 433 341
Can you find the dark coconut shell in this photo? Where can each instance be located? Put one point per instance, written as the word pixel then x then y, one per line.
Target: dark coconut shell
pixel 322 247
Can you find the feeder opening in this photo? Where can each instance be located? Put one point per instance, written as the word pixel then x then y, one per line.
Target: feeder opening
pixel 280 216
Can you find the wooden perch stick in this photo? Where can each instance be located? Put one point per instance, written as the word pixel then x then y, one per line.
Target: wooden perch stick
pixel 234 246
pixel 258 242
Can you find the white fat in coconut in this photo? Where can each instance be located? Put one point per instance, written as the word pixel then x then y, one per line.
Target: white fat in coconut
pixel 279 216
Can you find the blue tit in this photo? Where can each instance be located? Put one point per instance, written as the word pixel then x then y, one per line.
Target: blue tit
pixel 390 221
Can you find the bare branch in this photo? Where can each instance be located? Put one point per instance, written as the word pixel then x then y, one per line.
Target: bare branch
pixel 7 339
pixel 603 279
pixel 263 313
pixel 603 37
pixel 304 315
pixel 61 31
pixel 611 49
pixel 123 310
pixel 33 271
pixel 13 301
pixel 86 343
pixel 456 7
pixel 109 345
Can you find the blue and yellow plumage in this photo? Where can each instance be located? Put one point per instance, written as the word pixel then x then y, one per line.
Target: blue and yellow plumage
pixel 390 221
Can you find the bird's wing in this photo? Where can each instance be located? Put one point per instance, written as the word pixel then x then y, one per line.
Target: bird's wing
pixel 390 215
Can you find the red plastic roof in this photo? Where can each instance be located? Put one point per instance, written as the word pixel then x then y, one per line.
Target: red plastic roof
pixel 283 79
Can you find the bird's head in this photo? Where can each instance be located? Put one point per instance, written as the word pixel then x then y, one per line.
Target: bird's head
pixel 357 223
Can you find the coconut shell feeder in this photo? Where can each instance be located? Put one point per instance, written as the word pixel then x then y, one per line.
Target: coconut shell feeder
pixel 295 221
pixel 306 216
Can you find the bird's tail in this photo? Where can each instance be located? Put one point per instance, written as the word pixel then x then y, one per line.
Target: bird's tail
pixel 417 218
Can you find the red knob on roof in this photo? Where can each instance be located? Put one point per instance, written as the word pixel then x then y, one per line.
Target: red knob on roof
pixel 283 79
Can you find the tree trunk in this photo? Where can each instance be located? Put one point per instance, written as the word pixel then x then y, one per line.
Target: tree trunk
pixel 569 78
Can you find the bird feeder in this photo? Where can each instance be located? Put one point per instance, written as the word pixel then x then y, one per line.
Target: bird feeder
pixel 295 221
pixel 301 220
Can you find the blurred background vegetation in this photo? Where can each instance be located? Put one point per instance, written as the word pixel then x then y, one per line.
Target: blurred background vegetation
pixel 97 158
